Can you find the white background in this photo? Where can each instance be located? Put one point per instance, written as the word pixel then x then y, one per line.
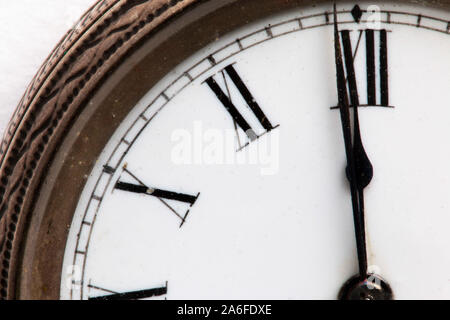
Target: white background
pixel 29 30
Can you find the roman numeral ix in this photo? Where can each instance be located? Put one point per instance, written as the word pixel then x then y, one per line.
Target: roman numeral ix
pixel 226 101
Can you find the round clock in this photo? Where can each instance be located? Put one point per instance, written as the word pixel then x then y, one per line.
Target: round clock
pixel 234 149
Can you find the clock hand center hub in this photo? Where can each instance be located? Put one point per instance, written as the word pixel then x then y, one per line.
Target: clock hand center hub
pixel 372 288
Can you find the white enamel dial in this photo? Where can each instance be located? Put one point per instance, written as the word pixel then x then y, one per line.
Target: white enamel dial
pixel 186 203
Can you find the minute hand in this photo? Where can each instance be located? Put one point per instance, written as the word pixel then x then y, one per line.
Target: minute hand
pixel 352 152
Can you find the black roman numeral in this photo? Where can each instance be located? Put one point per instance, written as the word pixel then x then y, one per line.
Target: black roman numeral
pixel 158 193
pixel 351 76
pixel 383 67
pixel 227 102
pixel 133 295
pixel 161 195
pixel 373 89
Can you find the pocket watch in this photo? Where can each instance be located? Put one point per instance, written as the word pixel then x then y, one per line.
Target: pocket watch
pixel 234 149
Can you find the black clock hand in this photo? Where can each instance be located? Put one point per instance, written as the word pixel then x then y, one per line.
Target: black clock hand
pixel 355 187
pixel 364 168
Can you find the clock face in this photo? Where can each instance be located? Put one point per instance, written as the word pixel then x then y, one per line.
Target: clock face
pixel 227 179
pixel 249 169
